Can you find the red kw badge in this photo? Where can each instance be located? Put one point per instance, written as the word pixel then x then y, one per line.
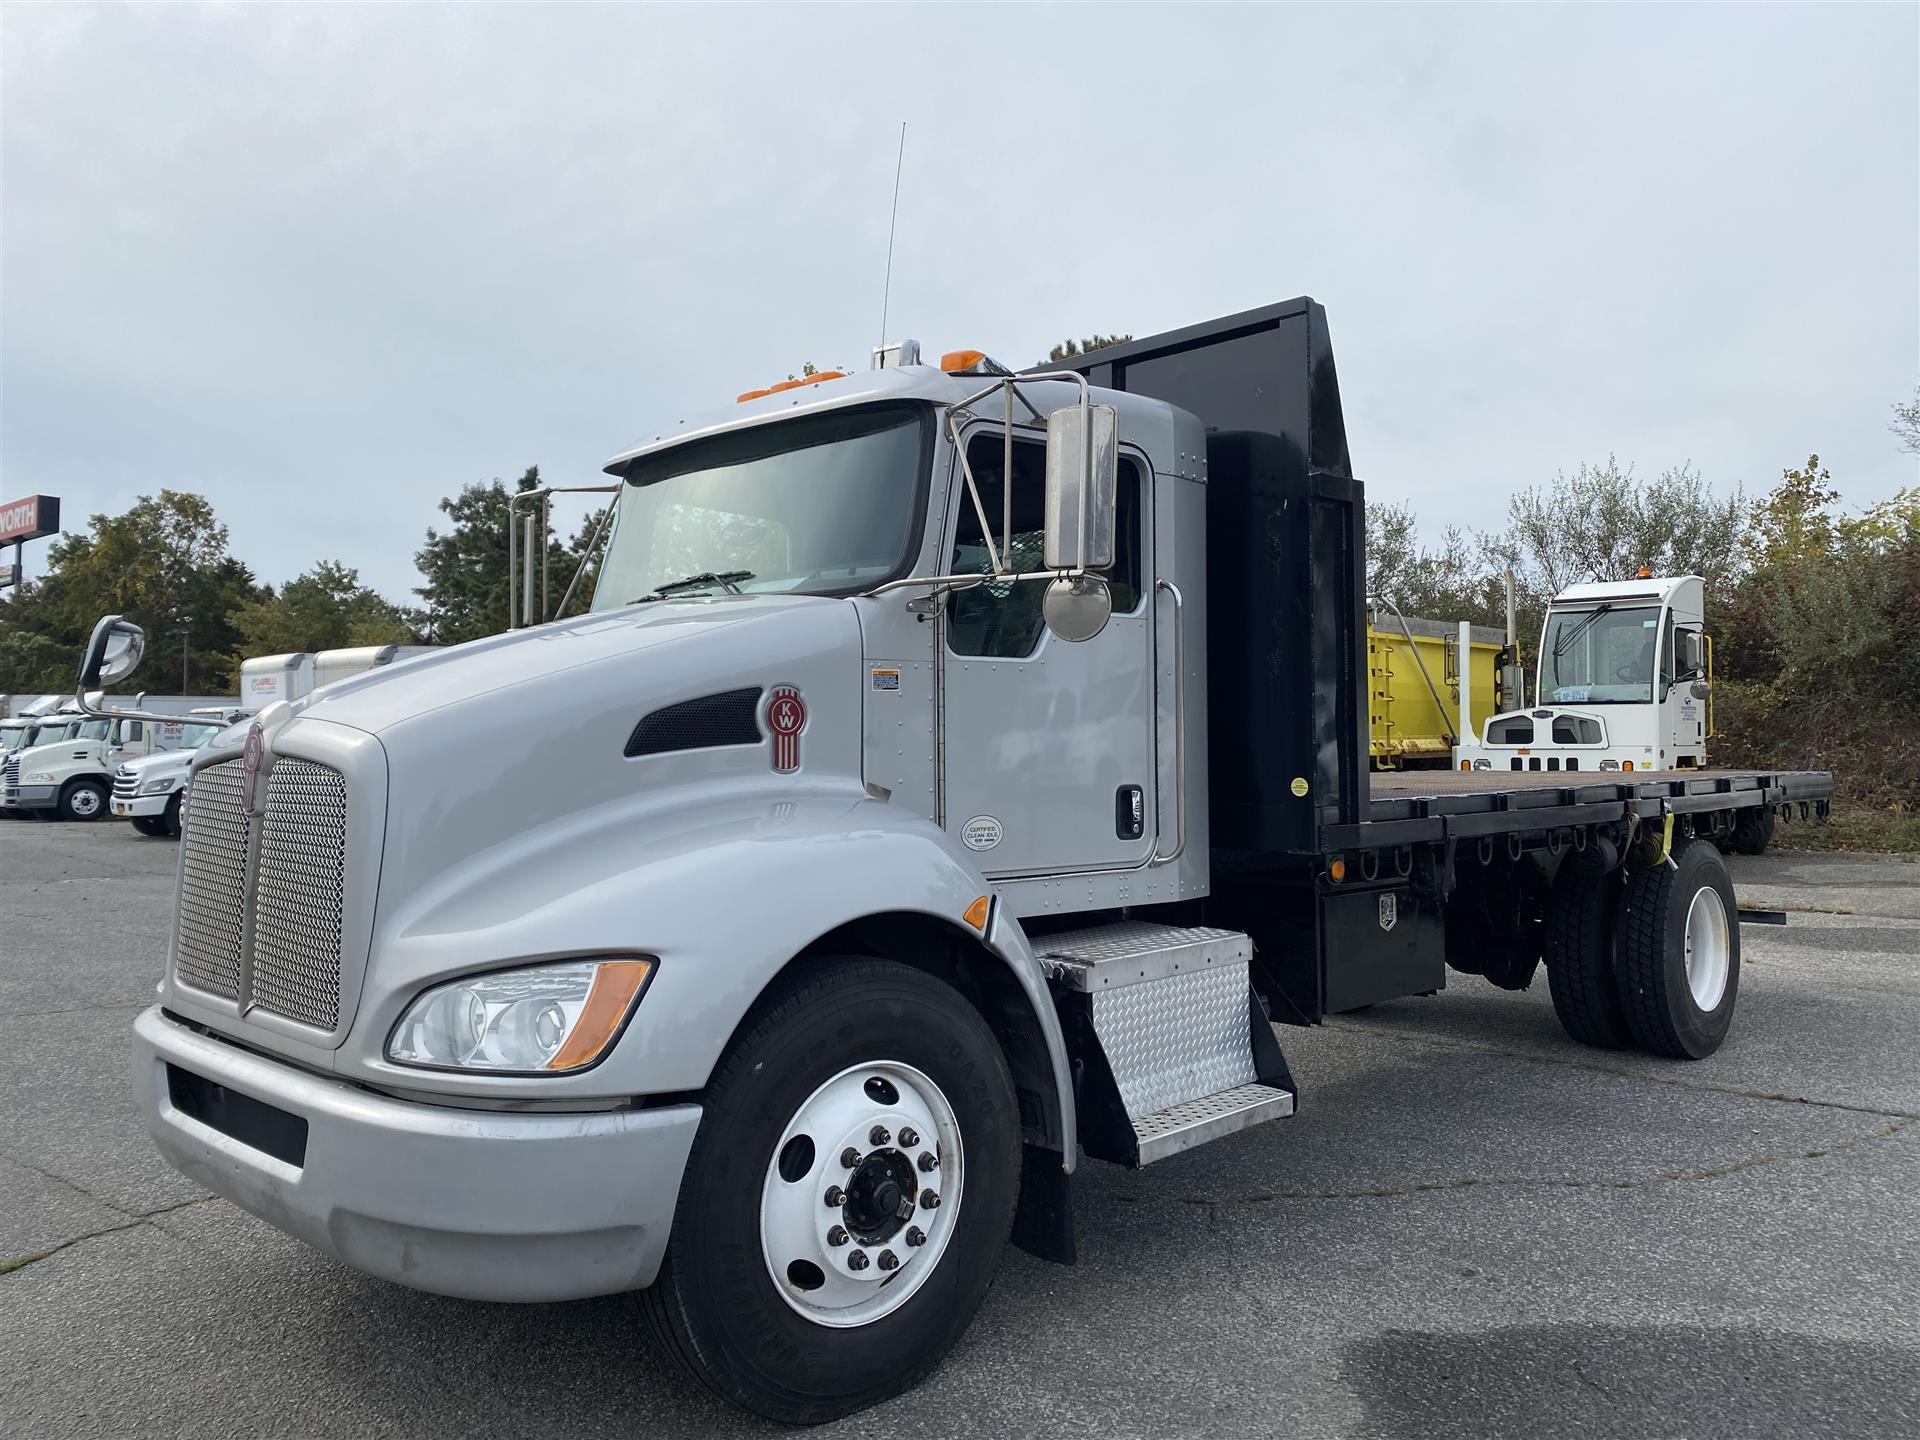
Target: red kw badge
pixel 786 718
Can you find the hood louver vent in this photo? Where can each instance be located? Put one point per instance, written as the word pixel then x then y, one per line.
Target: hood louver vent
pixel 729 718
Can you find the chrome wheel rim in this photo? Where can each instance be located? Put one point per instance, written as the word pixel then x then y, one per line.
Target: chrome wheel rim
pixel 1709 950
pixel 84 802
pixel 861 1194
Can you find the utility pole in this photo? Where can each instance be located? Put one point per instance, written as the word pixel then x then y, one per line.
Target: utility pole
pixel 186 681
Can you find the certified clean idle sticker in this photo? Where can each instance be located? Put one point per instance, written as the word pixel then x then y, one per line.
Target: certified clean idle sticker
pixel 982 832
pixel 1299 785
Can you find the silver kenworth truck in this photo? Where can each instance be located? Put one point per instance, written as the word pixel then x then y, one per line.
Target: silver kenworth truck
pixel 957 773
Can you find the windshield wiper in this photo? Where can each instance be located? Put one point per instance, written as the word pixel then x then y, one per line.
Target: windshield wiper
pixel 1560 645
pixel 728 580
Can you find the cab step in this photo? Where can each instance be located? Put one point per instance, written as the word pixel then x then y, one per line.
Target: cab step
pixel 1172 1044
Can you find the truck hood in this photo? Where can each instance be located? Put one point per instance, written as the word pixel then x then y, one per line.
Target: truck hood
pixel 60 752
pixel 533 659
pixel 158 763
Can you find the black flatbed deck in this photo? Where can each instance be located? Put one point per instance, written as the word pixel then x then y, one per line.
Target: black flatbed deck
pixel 1411 807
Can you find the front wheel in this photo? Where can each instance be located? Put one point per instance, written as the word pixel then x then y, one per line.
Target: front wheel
pixel 847 1198
pixel 147 824
pixel 83 800
pixel 1679 953
pixel 170 820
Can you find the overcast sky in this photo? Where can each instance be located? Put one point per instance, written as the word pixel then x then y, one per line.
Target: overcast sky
pixel 327 264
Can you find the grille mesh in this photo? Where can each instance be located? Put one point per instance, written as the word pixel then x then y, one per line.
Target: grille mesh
pixel 212 882
pixel 300 894
pixel 724 719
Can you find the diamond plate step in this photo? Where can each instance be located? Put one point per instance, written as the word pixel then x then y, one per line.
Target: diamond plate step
pixel 1133 952
pixel 1194 1122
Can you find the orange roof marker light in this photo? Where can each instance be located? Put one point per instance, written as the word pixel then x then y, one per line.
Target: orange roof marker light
pixel 791 385
pixel 971 362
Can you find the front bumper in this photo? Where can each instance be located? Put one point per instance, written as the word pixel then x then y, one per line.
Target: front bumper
pixel 128 807
pixel 30 797
pixel 482 1204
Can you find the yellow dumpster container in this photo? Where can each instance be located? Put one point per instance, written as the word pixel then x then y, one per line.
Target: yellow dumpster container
pixel 1408 727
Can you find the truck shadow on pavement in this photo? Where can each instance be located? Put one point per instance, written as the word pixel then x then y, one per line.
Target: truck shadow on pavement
pixel 1587 1380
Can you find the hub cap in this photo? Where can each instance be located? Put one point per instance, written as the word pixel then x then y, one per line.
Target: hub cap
pixel 84 802
pixel 1709 955
pixel 851 1223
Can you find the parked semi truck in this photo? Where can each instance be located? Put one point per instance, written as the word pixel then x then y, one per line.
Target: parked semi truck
pixel 65 770
pixel 148 790
pixel 956 775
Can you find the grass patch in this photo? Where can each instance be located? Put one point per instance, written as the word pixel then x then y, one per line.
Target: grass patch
pixel 20 1262
pixel 1853 829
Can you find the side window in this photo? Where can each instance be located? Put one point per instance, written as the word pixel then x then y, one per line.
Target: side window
pixel 1002 618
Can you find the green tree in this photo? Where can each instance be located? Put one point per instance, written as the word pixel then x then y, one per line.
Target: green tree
pixel 1067 349
pixel 163 563
pixel 465 565
pixel 1906 422
pixel 1452 582
pixel 323 608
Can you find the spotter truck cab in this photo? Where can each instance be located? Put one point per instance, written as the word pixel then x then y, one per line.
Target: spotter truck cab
pixel 940 748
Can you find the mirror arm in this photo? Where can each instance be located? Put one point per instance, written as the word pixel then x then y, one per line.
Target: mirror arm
pixel 973 490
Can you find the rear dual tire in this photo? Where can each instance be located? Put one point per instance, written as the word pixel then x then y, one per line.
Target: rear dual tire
pixel 764 1307
pixel 1650 959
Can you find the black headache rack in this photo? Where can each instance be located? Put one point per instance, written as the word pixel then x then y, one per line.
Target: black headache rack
pixel 1344 878
pixel 1286 532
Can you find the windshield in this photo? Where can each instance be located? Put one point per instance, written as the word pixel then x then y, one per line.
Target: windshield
pixel 192 737
pixel 95 730
pixel 1599 656
pixel 824 504
pixel 11 737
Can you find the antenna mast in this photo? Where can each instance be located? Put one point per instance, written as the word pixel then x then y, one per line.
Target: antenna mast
pixel 886 294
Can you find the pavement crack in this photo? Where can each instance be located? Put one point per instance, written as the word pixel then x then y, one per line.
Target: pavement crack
pixel 10 1263
pixel 1704 1087
pixel 1213 1204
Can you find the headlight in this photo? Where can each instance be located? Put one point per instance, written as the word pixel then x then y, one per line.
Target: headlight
pixel 37 777
pixel 1483 764
pixel 160 786
pixel 540 1018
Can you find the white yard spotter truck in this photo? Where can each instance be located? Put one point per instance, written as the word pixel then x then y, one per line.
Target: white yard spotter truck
pixel 956 774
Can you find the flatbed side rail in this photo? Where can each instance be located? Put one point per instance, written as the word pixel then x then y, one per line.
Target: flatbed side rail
pixel 1420 820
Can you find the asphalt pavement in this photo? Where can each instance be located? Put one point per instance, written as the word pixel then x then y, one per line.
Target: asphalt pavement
pixel 1473 1227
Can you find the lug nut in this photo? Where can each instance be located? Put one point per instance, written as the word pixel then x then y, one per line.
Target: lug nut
pixel 889 1260
pixel 857 1260
pixel 929 1161
pixel 849 1157
pixel 878 1135
pixel 909 1137
pixel 837 1235
pixel 916 1236
pixel 836 1197
pixel 929 1199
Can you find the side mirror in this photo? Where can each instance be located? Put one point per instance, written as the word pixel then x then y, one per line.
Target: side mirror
pixel 1693 653
pixel 1083 479
pixel 112 654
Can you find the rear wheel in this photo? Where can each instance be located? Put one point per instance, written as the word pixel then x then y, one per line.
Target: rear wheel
pixel 1580 966
pixel 1679 953
pixel 1752 830
pixel 83 800
pixel 848 1196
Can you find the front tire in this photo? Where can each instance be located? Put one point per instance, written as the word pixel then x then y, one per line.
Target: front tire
pixel 1679 953
pixel 170 820
pixel 83 800
pixel 148 824
pixel 775 1289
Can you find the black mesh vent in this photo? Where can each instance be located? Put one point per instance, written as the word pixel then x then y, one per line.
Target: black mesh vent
pixel 728 718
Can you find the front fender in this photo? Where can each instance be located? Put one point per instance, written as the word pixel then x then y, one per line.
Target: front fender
pixel 724 895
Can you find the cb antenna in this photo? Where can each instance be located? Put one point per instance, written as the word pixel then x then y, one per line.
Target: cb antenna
pixel 886 292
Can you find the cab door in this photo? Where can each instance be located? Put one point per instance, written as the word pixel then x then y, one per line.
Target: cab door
pixel 1047 746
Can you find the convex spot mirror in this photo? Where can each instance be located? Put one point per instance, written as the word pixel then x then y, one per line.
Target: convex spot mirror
pixel 112 654
pixel 1083 478
pixel 1076 607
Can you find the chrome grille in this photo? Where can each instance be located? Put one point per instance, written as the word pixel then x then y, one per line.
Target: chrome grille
pixel 126 784
pixel 10 776
pixel 300 894
pixel 213 873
